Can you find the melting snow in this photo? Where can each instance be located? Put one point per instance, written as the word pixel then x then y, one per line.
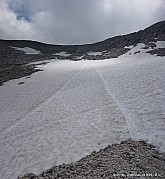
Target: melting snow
pixel 73 108
pixel 160 44
pixel 131 46
pixel 95 53
pixel 65 54
pixel 28 50
pixel 139 52
pixel 81 57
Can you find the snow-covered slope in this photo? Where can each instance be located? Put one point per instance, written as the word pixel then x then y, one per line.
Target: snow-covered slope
pixel 140 50
pixel 138 88
pixel 72 108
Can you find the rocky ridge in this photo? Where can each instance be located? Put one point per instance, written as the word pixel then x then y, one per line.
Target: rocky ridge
pixel 129 159
pixel 116 44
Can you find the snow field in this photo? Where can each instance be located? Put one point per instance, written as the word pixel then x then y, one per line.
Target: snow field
pixel 138 88
pixel 72 108
pixel 19 100
pixel 76 120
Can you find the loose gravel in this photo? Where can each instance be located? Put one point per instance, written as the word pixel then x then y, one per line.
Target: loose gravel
pixel 129 159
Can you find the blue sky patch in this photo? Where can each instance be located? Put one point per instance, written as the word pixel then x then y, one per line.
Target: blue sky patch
pixel 21 12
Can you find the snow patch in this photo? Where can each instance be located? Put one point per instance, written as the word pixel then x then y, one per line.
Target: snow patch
pixel 138 51
pixel 81 57
pixel 160 44
pixel 131 46
pixel 27 50
pixel 64 54
pixel 94 53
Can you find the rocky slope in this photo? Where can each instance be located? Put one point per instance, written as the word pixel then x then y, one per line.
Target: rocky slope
pixel 14 63
pixel 129 159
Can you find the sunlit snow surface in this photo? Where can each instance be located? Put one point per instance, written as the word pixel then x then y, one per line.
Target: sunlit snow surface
pixel 73 108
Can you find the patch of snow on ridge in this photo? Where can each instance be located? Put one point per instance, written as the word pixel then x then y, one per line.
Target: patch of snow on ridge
pixel 131 46
pixel 138 51
pixel 64 54
pixel 94 53
pixel 81 57
pixel 28 50
pixel 160 44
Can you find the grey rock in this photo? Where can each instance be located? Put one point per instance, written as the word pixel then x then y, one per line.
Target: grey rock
pixel 111 162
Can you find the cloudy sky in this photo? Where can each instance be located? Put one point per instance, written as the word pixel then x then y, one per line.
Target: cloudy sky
pixel 76 21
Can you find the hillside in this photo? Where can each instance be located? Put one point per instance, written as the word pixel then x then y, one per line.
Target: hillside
pixel 14 58
pixel 153 33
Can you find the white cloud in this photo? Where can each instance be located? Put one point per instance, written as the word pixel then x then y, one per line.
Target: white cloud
pixel 77 21
pixel 11 27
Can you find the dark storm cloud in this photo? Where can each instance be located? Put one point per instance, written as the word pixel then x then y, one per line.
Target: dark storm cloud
pixel 76 21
